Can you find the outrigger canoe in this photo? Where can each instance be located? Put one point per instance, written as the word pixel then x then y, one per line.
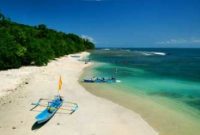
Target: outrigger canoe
pixel 53 106
pixel 100 80
pixel 51 109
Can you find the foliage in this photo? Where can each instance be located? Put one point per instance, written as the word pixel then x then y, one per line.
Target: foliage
pixel 24 45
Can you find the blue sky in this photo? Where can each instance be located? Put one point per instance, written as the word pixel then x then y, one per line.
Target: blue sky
pixel 115 23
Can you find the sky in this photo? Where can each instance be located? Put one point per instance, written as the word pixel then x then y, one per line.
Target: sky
pixel 115 23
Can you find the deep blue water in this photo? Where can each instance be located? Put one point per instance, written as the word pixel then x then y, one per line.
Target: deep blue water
pixel 168 73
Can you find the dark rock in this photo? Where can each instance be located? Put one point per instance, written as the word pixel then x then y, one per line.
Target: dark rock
pixel 58 123
pixel 13 127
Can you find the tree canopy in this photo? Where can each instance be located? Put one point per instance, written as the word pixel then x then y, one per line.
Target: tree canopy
pixel 24 45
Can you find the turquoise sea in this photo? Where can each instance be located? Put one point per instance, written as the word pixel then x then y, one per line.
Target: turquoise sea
pixel 162 85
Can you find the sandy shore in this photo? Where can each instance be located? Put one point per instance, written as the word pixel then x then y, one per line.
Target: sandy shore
pixel 95 116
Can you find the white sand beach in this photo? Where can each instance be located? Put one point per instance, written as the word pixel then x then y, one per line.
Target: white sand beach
pixel 95 115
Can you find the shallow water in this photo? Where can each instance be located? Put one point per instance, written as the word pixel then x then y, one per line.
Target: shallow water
pixel 163 85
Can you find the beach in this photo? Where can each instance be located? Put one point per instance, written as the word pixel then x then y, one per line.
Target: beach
pixel 95 115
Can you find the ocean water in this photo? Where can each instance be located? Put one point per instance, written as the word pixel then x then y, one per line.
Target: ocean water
pixel 170 78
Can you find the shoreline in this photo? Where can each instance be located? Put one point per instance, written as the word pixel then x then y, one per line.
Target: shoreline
pixel 171 122
pixel 95 115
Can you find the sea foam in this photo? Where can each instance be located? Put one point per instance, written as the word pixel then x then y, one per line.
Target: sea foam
pixel 106 49
pixel 118 81
pixel 153 53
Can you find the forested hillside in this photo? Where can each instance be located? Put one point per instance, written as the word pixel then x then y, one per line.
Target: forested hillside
pixel 27 45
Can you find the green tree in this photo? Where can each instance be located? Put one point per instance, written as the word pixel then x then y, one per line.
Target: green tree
pixel 24 45
pixel 9 58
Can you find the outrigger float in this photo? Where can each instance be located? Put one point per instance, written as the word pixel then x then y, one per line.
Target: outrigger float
pixel 52 106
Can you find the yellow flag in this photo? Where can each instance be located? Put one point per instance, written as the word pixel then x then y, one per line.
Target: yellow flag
pixel 60 83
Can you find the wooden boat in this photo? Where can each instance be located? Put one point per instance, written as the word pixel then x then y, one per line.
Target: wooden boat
pixel 100 80
pixel 51 109
pixel 53 106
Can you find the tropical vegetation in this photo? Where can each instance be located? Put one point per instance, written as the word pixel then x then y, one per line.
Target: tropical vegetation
pixel 35 45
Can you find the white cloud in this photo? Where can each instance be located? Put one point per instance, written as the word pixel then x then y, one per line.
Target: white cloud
pixel 88 37
pixel 180 41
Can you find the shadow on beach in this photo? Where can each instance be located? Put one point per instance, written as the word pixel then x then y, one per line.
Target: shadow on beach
pixel 38 126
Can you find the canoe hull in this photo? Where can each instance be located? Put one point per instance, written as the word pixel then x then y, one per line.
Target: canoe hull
pixel 88 81
pixel 99 81
pixel 48 113
pixel 44 116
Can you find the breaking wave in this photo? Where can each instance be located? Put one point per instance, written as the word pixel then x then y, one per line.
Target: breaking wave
pixel 118 81
pixel 106 49
pixel 151 53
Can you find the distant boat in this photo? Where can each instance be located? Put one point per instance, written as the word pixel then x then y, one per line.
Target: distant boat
pixel 100 80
